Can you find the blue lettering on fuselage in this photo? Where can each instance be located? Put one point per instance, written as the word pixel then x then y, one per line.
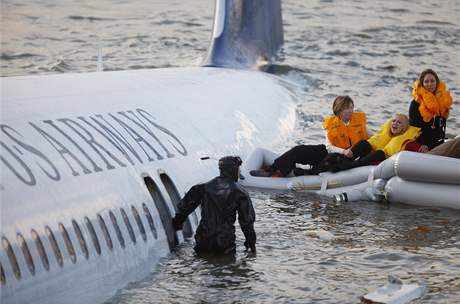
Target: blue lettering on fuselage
pixel 86 145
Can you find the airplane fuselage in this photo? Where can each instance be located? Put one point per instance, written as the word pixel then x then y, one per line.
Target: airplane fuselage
pixel 93 164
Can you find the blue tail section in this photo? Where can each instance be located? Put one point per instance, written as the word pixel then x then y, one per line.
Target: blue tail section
pixel 246 34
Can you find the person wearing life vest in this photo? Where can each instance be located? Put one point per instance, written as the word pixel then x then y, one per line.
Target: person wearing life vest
pixel 343 129
pixel 429 109
pixel 392 138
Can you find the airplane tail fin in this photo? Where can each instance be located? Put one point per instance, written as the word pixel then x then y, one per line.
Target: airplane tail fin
pixel 245 34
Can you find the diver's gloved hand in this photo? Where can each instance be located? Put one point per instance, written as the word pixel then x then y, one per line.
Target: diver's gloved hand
pixel 176 223
pixel 250 245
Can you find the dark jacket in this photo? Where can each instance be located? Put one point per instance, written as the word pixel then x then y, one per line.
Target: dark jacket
pixel 221 199
pixel 433 132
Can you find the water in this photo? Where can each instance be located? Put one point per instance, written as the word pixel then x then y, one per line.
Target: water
pixel 371 241
pixel 371 50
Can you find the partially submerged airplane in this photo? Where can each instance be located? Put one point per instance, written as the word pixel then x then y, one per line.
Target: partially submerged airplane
pixel 93 164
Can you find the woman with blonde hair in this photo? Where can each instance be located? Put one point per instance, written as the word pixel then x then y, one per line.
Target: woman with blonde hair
pixel 392 138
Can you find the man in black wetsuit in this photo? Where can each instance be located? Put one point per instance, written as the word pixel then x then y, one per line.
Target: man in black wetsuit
pixel 221 199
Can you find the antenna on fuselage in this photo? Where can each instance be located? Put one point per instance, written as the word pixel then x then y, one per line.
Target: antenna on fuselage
pixel 208 157
pixel 100 65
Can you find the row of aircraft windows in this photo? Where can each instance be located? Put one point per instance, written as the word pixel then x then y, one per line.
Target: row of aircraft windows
pixel 68 242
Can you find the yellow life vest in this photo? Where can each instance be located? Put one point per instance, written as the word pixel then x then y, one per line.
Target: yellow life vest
pixel 379 140
pixel 343 136
pixel 390 145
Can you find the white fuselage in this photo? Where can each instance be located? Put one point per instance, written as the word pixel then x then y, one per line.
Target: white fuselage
pixel 79 150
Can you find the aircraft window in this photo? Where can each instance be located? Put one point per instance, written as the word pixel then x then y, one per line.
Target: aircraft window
pixel 41 250
pixel 54 246
pixel 81 239
pixel 12 257
pixel 163 210
pixel 117 229
pixel 93 234
pixel 150 220
pixel 128 225
pixel 2 275
pixel 26 253
pixel 108 239
pixel 175 198
pixel 68 243
pixel 139 223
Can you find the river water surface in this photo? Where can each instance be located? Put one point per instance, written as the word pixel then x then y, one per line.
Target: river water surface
pixel 372 50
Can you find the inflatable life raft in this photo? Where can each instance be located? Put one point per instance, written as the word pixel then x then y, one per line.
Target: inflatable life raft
pixel 407 177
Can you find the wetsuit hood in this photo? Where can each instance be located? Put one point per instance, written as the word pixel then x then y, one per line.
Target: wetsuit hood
pixel 228 167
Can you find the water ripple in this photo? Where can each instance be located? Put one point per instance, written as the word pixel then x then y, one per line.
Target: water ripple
pixel 89 18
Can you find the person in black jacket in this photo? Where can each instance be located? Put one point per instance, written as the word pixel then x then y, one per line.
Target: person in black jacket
pixel 429 109
pixel 221 199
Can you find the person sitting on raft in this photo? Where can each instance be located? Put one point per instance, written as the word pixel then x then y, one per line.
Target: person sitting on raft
pixel 428 112
pixel 450 148
pixel 429 109
pixel 392 138
pixel 343 129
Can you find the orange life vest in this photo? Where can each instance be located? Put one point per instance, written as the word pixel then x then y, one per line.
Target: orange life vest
pixel 432 105
pixel 343 136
